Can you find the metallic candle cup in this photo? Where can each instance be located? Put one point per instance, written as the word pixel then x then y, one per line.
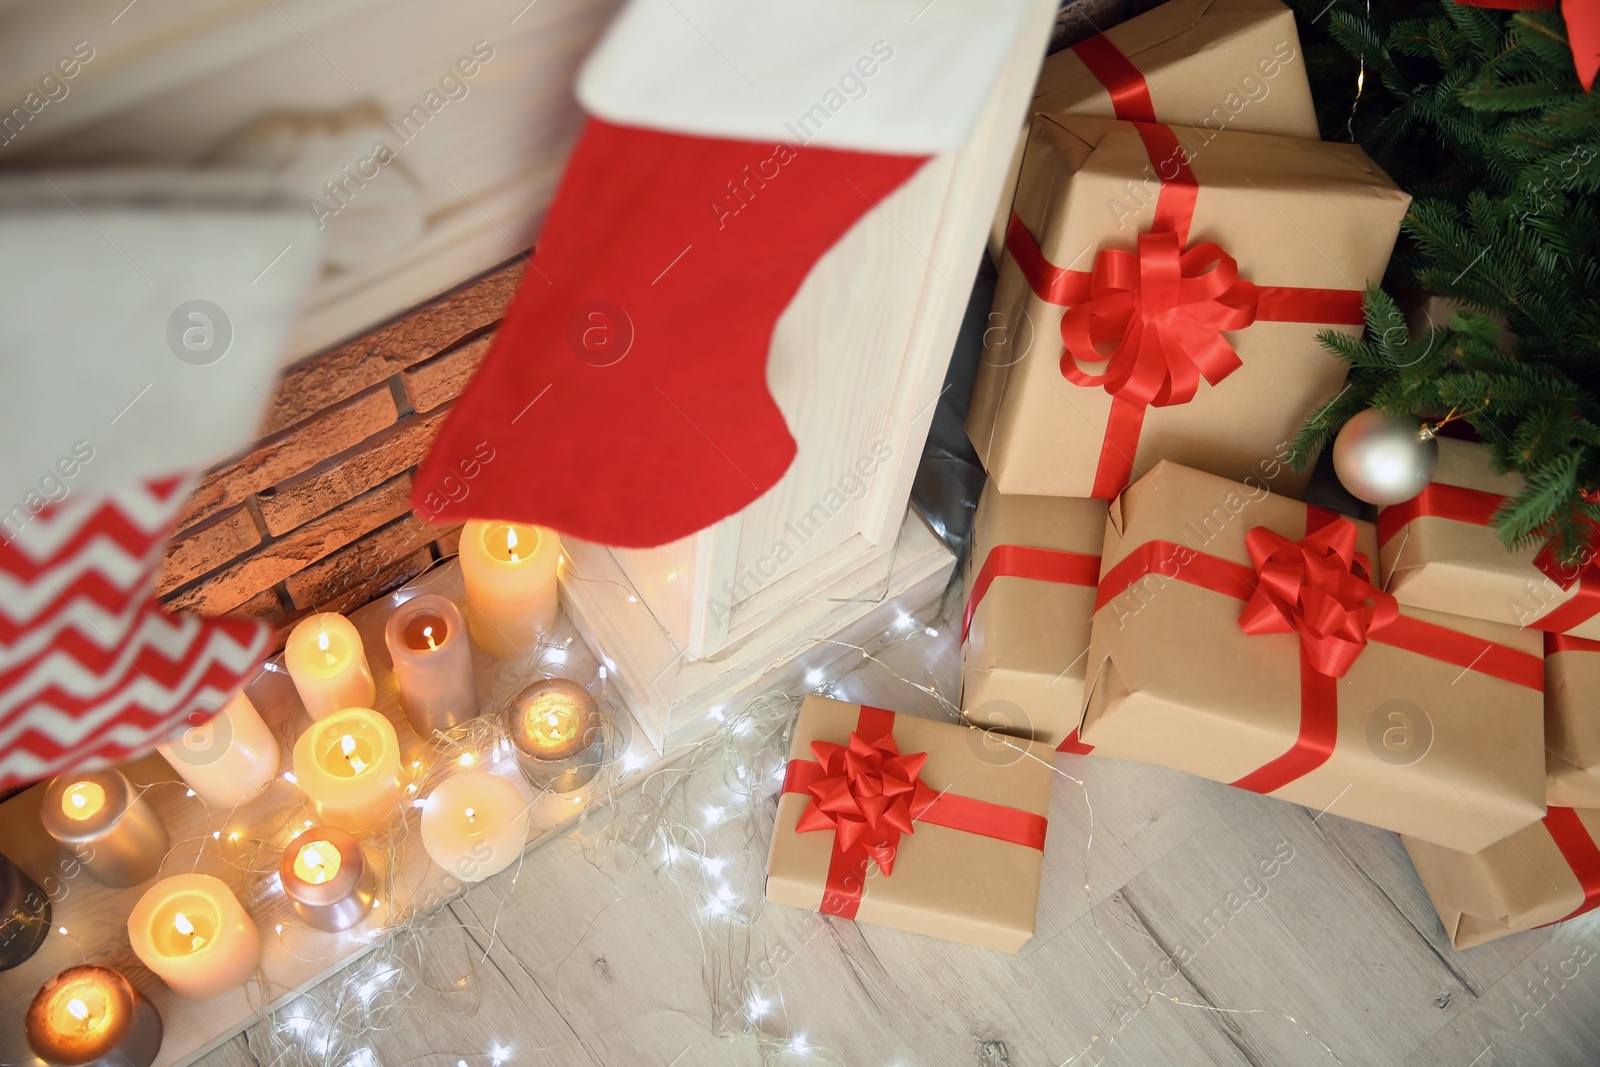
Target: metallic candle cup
pixel 327 879
pixel 557 732
pixel 24 916
pixel 427 639
pixel 92 1016
pixel 99 817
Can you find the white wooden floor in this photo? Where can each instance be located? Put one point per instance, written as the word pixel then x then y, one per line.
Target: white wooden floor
pixel 606 955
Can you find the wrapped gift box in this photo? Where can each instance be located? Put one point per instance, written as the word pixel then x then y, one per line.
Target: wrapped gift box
pixel 921 825
pixel 1572 721
pixel 1198 268
pixel 1218 64
pixel 1238 637
pixel 1545 873
pixel 1030 596
pixel 1437 550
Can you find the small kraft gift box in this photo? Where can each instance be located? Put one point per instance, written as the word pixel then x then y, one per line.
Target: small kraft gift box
pixel 1218 64
pixel 921 825
pixel 1030 595
pixel 1160 298
pixel 1545 873
pixel 1238 635
pixel 1437 550
pixel 1572 721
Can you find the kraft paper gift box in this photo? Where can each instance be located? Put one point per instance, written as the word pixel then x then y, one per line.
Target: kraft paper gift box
pixel 1202 303
pixel 1572 721
pixel 1439 551
pixel 1030 594
pixel 1545 873
pixel 1239 637
pixel 1219 64
pixel 912 823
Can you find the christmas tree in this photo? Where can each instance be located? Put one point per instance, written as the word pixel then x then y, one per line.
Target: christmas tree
pixel 1480 116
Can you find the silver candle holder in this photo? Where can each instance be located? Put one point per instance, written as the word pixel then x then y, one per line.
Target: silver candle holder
pixel 101 819
pixel 557 733
pixel 24 916
pixel 327 879
pixel 90 1016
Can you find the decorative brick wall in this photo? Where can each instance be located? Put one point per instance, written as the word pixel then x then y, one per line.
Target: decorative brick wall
pixel 316 515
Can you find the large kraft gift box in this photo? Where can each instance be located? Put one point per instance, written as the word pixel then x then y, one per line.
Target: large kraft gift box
pixel 1206 289
pixel 921 825
pixel 1572 721
pixel 1218 64
pixel 1545 873
pixel 1239 637
pixel 1439 551
pixel 1030 595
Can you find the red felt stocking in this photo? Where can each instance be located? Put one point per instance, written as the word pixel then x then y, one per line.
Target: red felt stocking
pixel 625 397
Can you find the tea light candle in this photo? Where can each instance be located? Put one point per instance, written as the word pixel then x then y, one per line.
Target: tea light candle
pixel 510 574
pixel 195 935
pixel 90 1016
pixel 24 916
pixel 474 824
pixel 101 819
pixel 228 759
pixel 326 659
pixel 427 641
pixel 555 727
pixel 327 878
pixel 349 766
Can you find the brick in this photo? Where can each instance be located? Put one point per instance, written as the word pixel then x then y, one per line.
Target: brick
pixel 205 547
pixel 266 606
pixel 439 380
pixel 276 560
pixel 284 455
pixel 359 563
pixel 320 380
pixel 331 483
pixel 449 543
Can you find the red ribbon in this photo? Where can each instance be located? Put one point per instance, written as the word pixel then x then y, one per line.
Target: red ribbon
pixel 869 795
pixel 1156 316
pixel 1318 589
pixel 1439 501
pixel 1554 643
pixel 1581 854
pixel 1023 561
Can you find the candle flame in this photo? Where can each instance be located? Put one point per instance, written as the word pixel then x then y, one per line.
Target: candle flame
pixel 471 814
pixel 181 921
pixel 322 644
pixel 348 745
pixel 553 721
pixel 511 542
pixel 79 1010
pixel 78 802
pixel 427 632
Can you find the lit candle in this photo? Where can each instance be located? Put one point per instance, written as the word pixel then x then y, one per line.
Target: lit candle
pixel 349 766
pixel 427 641
pixel 102 820
pixel 228 759
pixel 557 731
pixel 327 878
pixel 329 665
pixel 193 933
pixel 510 573
pixel 24 916
pixel 474 824
pixel 90 1016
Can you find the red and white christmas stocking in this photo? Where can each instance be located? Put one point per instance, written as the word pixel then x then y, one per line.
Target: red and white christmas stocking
pixel 142 341
pixel 734 143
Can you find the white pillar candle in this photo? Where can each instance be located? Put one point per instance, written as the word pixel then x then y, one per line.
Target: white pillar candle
pixel 349 766
pixel 195 935
pixel 427 641
pixel 474 824
pixel 326 659
pixel 510 574
pixel 102 820
pixel 228 759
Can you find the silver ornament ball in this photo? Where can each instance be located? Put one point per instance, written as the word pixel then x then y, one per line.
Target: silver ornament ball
pixel 1384 459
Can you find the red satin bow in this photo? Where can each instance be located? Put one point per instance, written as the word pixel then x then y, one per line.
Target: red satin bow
pixel 868 793
pixel 1164 310
pixel 1320 588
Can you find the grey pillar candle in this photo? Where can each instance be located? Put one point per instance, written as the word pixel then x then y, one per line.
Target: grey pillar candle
pixel 427 639
pixel 24 915
pixel 92 1016
pixel 557 732
pixel 101 819
pixel 327 878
